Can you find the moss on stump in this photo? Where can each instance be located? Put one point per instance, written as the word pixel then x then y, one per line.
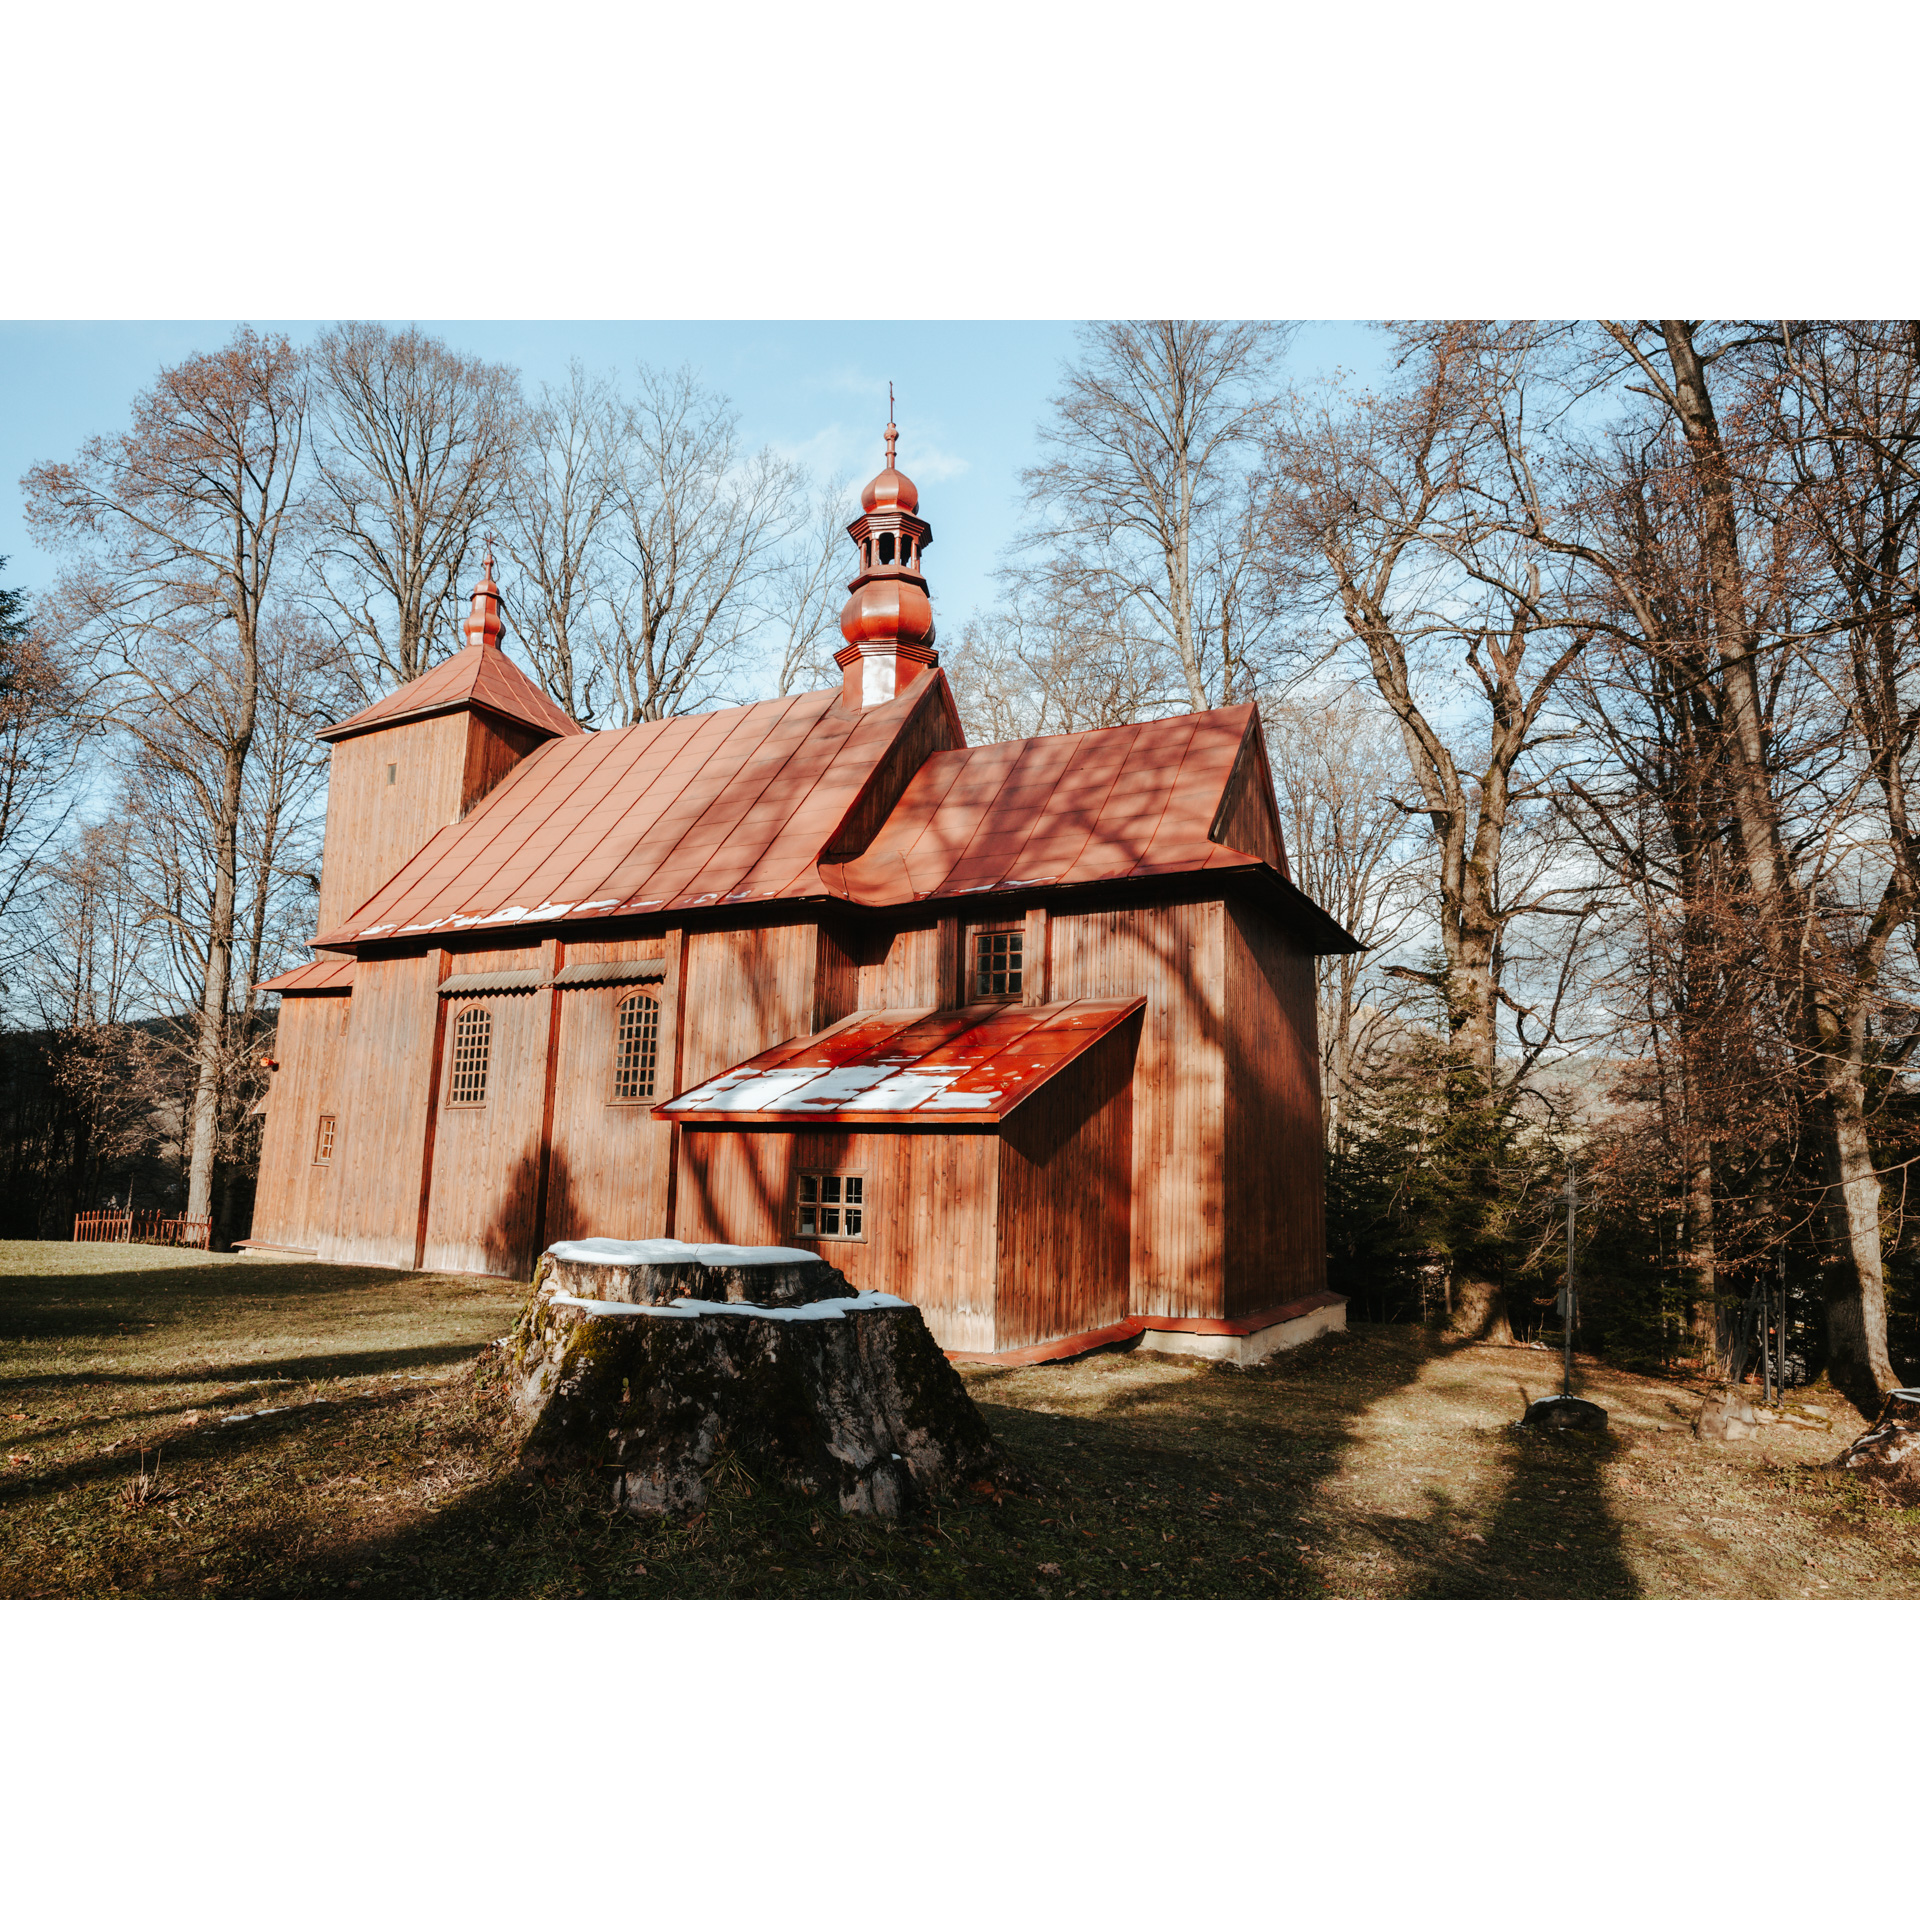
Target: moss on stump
pixel 657 1368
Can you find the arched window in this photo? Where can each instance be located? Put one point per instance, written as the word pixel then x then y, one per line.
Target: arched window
pixel 886 549
pixel 635 1045
pixel 472 1042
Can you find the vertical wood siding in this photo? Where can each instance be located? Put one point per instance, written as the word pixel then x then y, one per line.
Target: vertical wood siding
pixel 486 1158
pixel 1248 817
pixel 1174 954
pixel 374 829
pixel 1064 1199
pixel 371 1211
pixel 748 988
pixel 1275 1171
pixel 287 1204
pixel 441 767
pixel 607 1169
pixel 900 967
pixel 930 1220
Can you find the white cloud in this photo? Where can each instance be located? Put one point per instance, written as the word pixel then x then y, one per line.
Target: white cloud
pixel 860 452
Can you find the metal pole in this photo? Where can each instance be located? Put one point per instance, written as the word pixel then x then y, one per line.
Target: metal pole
pixel 1780 1334
pixel 1566 1374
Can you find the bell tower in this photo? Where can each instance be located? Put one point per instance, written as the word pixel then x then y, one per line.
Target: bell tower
pixel 887 622
pixel 414 762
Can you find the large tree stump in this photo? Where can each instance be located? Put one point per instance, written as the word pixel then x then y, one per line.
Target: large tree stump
pixel 1888 1453
pixel 658 1359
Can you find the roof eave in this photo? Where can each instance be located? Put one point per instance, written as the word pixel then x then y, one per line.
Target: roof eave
pixel 350 728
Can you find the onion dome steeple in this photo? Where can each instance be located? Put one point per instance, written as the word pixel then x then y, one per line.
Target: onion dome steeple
pixel 887 622
pixel 484 626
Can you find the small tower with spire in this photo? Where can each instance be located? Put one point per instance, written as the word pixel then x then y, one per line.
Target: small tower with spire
pixel 484 627
pixel 887 622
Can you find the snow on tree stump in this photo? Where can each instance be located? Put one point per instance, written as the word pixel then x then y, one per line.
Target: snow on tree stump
pixel 659 1359
pixel 1565 1413
pixel 1888 1453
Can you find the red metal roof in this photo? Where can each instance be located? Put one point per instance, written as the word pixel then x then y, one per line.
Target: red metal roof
pixel 1058 811
pixel 332 973
pixel 476 676
pixel 910 1068
pixel 709 809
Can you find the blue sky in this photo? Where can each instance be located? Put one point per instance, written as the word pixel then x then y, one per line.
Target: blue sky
pixel 970 393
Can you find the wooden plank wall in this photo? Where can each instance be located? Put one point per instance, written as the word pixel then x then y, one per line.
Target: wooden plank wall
pixel 386 1088
pixel 1249 817
pixel 1275 1169
pixel 1065 1189
pixel 481 1215
pixel 748 988
pixel 931 1210
pixel 1173 953
pixel 900 966
pixel 307 1044
pixel 441 767
pixel 374 829
pixel 495 746
pixel 607 1168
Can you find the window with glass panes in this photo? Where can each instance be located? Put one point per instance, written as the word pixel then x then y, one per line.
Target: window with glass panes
pixel 323 1141
pixel 996 966
pixel 830 1206
pixel 472 1042
pixel 635 1047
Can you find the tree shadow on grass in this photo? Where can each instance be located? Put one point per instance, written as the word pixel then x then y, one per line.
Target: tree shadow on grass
pixel 1176 1479
pixel 1553 1534
pixel 277 1370
pixel 79 1306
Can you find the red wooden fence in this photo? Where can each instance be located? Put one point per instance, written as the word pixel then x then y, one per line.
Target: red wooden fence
pixel 145 1229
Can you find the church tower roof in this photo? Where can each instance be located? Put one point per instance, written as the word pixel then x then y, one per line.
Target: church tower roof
pixel 887 623
pixel 479 675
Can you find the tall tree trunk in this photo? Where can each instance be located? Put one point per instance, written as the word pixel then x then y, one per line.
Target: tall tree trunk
pixel 1856 1286
pixel 215 989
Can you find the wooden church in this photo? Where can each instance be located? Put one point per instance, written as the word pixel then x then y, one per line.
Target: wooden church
pixel 1023 1033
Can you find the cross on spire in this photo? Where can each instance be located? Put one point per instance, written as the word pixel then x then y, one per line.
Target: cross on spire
pixel 892 433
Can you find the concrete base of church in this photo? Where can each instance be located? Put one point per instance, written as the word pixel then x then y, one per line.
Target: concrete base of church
pixel 1250 1348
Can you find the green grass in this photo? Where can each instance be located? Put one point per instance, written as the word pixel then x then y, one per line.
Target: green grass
pixel 1381 1463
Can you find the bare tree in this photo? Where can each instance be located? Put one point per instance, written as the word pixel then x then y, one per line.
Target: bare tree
pixel 39 742
pixel 1823 962
pixel 1395 511
pixel 562 506
pixel 1051 657
pixel 700 547
pixel 412 448
pixel 179 527
pixel 810 589
pixel 1339 772
pixel 1147 496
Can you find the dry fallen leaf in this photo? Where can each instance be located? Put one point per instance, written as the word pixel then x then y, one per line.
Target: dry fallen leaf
pixel 1049 1567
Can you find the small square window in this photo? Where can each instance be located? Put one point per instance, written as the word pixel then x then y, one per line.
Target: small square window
pixel 323 1141
pixel 996 965
pixel 830 1206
